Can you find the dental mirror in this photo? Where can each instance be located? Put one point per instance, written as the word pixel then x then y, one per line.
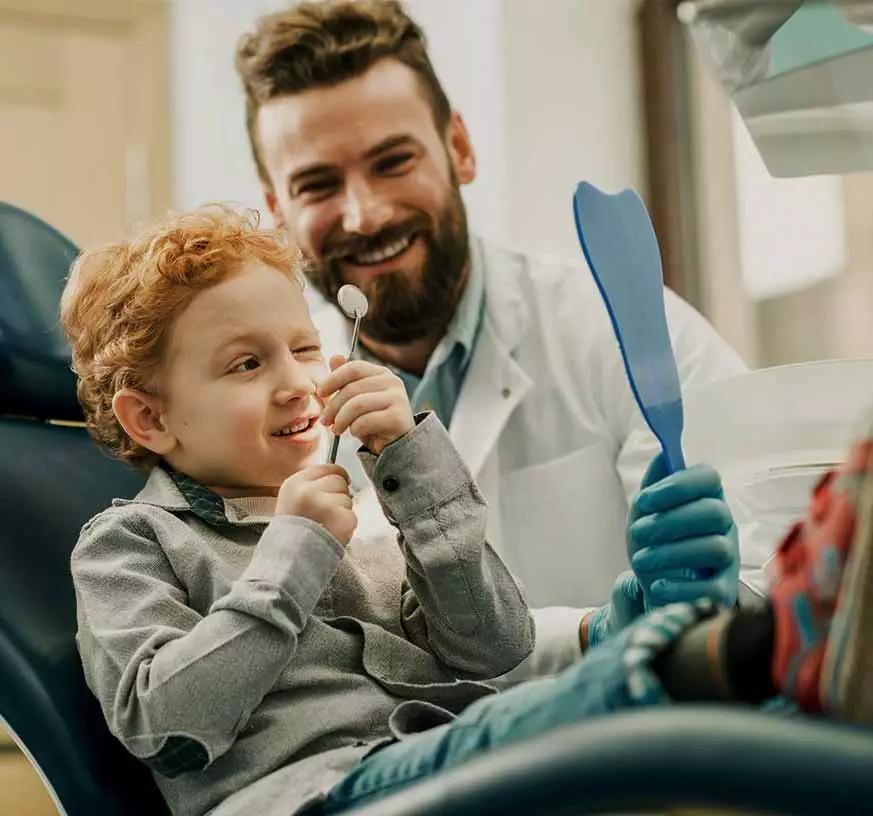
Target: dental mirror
pixel 354 304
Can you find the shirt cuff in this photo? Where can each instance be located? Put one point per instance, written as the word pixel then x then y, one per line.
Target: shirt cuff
pixel 298 555
pixel 417 472
pixel 557 630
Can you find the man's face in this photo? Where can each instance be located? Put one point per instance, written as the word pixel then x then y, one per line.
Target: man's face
pixel 238 384
pixel 369 190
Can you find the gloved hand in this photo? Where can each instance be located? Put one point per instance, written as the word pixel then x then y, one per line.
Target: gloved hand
pixel 681 539
pixel 625 606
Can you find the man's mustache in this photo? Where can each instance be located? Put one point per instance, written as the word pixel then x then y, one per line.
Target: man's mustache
pixel 359 244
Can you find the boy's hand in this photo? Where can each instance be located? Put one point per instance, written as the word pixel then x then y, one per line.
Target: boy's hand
pixel 366 399
pixel 321 494
pixel 682 541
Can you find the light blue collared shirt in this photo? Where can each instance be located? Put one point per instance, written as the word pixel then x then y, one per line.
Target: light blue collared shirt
pixel 438 388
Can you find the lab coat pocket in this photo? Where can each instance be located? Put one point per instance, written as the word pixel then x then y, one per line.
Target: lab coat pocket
pixel 563 527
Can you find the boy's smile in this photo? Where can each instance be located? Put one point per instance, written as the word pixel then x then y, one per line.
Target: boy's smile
pixel 237 387
pixel 299 431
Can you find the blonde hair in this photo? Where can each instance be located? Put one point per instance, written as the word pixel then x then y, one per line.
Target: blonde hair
pixel 121 300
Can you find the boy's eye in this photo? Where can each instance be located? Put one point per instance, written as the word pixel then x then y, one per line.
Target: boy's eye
pixel 249 364
pixel 307 350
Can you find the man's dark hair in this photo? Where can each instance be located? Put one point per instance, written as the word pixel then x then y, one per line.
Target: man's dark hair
pixel 316 45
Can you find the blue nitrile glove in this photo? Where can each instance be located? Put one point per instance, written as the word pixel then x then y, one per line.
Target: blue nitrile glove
pixel 681 540
pixel 625 606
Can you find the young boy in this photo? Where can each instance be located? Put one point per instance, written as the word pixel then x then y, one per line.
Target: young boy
pixel 241 643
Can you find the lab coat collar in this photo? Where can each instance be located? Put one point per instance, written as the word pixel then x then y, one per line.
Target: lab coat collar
pixel 505 306
pixel 495 383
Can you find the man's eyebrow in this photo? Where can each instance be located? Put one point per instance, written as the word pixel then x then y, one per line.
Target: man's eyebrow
pixel 398 140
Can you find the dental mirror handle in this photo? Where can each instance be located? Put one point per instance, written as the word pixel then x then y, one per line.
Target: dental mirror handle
pixel 335 440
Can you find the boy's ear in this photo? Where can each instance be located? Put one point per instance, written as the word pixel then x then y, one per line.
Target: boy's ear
pixel 142 417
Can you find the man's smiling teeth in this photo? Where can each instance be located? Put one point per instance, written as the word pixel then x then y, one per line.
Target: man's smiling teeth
pixel 384 253
pixel 295 427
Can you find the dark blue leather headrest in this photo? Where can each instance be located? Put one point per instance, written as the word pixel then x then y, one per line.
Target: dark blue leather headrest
pixel 35 375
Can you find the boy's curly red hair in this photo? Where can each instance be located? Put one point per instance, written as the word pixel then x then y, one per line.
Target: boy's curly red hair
pixel 121 299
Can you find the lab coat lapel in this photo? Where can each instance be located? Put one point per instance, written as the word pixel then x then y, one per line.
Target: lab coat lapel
pixel 495 383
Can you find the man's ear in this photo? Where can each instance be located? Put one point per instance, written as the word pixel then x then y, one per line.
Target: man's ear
pixel 273 207
pixel 142 417
pixel 461 151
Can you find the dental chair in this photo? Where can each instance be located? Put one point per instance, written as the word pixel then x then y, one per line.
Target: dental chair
pixel 52 479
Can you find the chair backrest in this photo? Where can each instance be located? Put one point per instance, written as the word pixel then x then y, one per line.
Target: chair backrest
pixel 52 479
pixel 34 262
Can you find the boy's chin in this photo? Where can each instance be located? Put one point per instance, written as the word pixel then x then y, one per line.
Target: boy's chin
pixel 317 455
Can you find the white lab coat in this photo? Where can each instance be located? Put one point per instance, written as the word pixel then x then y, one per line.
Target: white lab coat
pixel 548 425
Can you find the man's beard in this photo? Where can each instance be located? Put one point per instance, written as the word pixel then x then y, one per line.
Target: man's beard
pixel 403 310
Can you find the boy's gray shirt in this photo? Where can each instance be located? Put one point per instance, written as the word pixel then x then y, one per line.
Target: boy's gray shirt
pixel 254 662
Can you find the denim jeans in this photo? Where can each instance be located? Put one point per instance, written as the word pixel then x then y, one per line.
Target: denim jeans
pixel 605 680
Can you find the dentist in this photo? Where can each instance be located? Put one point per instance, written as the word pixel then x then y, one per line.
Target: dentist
pixel 361 159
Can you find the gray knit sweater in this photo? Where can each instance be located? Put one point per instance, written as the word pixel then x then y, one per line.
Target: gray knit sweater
pixel 251 661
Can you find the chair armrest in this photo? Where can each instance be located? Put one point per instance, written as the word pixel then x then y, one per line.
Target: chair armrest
pixel 703 756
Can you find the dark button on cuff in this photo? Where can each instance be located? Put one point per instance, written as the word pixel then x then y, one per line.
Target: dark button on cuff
pixel 390 483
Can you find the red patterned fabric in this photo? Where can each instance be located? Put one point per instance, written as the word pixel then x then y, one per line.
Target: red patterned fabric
pixel 806 575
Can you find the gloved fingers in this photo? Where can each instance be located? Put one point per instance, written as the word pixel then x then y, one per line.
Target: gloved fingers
pixel 714 552
pixel 682 487
pixel 628 602
pixel 708 516
pixel 656 471
pixel 719 591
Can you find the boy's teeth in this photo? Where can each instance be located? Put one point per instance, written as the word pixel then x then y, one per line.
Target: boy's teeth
pixel 383 253
pixel 295 427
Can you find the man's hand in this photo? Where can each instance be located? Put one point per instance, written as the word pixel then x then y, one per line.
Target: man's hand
pixel 681 539
pixel 366 399
pixel 321 494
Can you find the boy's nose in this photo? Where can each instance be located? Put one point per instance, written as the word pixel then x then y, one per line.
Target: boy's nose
pixel 295 382
pixel 365 211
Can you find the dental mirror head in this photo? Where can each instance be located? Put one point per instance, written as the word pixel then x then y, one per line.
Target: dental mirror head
pixel 352 301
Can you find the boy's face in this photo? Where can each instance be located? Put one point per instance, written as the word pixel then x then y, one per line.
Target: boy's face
pixel 242 364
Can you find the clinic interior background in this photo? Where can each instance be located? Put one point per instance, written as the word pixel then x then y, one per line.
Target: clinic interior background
pixel 116 110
